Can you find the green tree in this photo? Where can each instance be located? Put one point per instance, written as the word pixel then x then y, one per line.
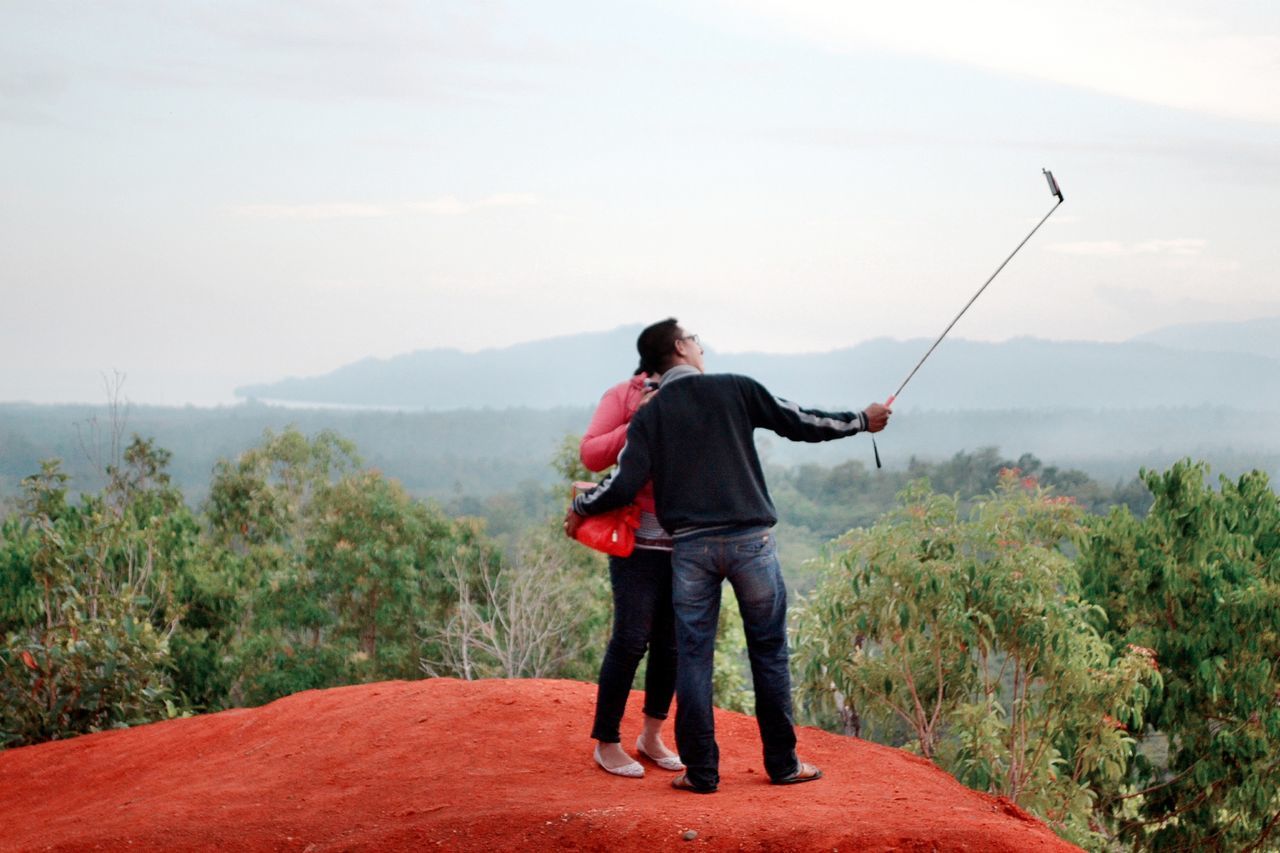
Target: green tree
pixel 1197 581
pixel 136 541
pixel 20 594
pixel 968 635
pixel 343 571
pixel 190 589
pixel 259 512
pixel 373 559
pixel 92 653
pixel 262 497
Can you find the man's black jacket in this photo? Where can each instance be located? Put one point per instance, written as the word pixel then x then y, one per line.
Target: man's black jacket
pixel 694 440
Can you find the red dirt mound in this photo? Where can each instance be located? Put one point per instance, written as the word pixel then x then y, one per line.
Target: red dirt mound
pixel 484 765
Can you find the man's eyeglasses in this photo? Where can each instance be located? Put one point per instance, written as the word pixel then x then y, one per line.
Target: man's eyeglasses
pixel 693 338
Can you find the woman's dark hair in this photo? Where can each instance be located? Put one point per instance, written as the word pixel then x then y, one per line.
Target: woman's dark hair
pixel 657 345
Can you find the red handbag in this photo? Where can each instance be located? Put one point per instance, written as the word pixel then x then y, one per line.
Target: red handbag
pixel 613 532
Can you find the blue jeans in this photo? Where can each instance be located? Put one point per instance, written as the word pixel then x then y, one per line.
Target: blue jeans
pixel 642 619
pixel 748 559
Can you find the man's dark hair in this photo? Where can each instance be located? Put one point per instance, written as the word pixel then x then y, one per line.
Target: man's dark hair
pixel 657 346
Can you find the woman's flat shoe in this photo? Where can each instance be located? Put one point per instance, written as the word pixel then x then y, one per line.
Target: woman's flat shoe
pixel 631 771
pixel 670 762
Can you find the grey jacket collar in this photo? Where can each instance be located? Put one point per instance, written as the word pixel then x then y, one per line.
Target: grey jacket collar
pixel 679 372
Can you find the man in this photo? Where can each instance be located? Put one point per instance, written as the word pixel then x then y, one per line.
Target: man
pixel 694 439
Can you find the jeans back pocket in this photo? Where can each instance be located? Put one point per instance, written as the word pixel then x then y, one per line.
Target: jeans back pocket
pixel 755 547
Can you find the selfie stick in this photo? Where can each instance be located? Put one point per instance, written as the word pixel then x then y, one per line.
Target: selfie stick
pixel 1053 188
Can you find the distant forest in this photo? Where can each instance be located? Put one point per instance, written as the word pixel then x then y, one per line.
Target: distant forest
pixel 479 453
pixel 498 465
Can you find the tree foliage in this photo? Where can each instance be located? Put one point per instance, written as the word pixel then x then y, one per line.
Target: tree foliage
pixel 303 570
pixel 1197 581
pixel 342 571
pixel 968 635
pixel 86 641
pixel 816 504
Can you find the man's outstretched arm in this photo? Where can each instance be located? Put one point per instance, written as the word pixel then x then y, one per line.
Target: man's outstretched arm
pixel 792 421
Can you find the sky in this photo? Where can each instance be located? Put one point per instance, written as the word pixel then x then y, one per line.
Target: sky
pixel 200 195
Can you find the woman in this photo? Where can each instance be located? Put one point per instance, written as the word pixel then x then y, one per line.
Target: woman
pixel 642 614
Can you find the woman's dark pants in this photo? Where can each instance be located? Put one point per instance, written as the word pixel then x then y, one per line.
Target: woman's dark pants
pixel 642 619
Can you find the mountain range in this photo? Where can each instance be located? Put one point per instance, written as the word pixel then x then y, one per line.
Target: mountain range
pixel 1236 365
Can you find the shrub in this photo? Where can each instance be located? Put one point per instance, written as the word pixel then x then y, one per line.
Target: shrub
pixel 968 635
pixel 1197 581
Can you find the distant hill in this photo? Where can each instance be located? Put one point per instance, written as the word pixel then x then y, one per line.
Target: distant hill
pixel 1176 367
pixel 565 371
pixel 1258 337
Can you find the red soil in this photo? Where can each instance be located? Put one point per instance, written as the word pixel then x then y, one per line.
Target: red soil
pixel 485 765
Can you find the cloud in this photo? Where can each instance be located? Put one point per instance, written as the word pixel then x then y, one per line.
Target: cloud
pixel 452 206
pixel 31 84
pixel 1159 307
pixel 1149 51
pixel 443 206
pixel 25 95
pixel 312 211
pixel 437 53
pixel 1169 247
pixel 1115 248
